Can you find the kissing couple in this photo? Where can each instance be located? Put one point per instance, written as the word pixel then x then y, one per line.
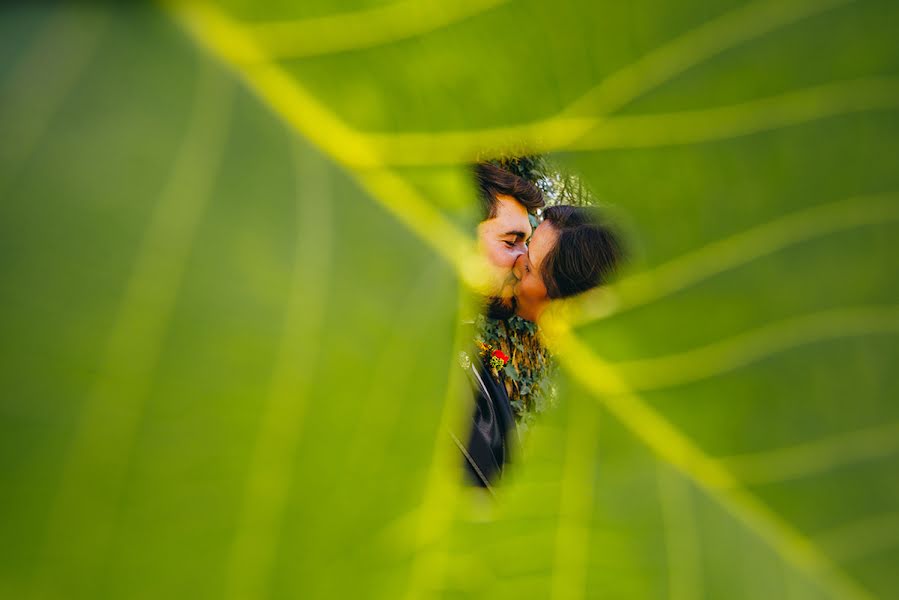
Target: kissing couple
pixel 531 263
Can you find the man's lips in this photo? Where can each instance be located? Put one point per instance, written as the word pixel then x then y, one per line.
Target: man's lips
pixel 510 288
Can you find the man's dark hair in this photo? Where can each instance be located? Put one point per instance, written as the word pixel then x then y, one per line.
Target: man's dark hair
pixel 493 180
pixel 587 253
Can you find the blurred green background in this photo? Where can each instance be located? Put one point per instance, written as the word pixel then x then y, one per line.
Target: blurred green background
pixel 231 248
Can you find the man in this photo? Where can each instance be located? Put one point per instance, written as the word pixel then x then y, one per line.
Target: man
pixel 506 200
pixel 572 251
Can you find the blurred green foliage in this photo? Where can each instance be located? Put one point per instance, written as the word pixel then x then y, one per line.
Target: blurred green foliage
pixel 559 186
pixel 231 248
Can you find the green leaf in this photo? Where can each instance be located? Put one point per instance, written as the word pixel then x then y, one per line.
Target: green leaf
pixel 232 240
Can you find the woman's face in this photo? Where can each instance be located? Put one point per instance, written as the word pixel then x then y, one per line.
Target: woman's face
pixel 530 290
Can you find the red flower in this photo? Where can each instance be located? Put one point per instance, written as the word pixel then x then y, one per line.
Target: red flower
pixel 501 355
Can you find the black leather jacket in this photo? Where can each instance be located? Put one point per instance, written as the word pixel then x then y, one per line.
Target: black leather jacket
pixel 487 451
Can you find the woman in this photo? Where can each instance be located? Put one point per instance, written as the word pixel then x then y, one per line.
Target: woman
pixel 573 250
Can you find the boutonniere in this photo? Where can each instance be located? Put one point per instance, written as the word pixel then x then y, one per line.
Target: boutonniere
pixel 498 359
pixel 494 357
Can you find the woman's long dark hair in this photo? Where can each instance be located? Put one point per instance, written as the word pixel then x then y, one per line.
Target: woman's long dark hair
pixel 587 253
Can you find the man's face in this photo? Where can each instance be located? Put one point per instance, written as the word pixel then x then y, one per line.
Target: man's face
pixel 502 240
pixel 530 291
